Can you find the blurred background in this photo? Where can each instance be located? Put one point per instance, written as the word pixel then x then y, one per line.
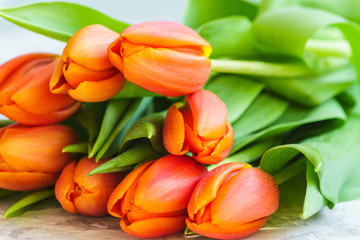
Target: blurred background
pixel 15 41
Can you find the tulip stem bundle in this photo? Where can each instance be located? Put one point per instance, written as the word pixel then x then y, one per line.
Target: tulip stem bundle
pixel 260 68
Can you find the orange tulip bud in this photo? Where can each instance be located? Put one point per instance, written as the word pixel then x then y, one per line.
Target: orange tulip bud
pixel 151 201
pixel 232 201
pixel 167 58
pixel 24 91
pixel 87 195
pixel 31 157
pixel 199 126
pixel 84 71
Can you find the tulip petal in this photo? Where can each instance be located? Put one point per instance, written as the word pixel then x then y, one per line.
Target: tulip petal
pixel 209 114
pixel 97 91
pixel 64 187
pixel 226 231
pixel 221 150
pixel 248 195
pixel 18 114
pixel 114 202
pixel 165 34
pixel 88 47
pixel 58 84
pixel 166 71
pixel 153 227
pixel 37 149
pixel 26 181
pixel 174 132
pixel 206 189
pixel 167 185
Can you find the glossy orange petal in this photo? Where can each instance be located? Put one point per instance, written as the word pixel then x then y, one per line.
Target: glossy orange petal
pixel 174 132
pixel 206 190
pixel 114 202
pixel 58 84
pixel 153 227
pixel 64 188
pixel 220 151
pixel 26 181
pixel 209 114
pixel 228 231
pixel 166 72
pixel 88 47
pixel 115 55
pixel 165 34
pixel 37 149
pixel 248 195
pixel 167 185
pixel 96 91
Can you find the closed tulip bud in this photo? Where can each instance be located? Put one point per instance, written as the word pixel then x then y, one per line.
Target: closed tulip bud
pixel 199 126
pixel 151 201
pixel 31 158
pixel 87 195
pixel 167 58
pixel 24 91
pixel 84 71
pixel 232 201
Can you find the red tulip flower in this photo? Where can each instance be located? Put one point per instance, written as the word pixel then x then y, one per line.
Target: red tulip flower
pixel 164 57
pixel 151 201
pixel 31 157
pixel 232 201
pixel 87 195
pixel 24 91
pixel 199 126
pixel 84 71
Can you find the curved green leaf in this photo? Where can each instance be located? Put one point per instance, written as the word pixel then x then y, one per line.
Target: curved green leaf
pixel 58 20
pixel 131 90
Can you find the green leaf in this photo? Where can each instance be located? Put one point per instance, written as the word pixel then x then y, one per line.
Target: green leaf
pixel 236 92
pixel 313 90
pixel 229 37
pixel 139 152
pixel 5 123
pixel 332 168
pixel 4 193
pixel 115 109
pixel 77 148
pixel 28 202
pixel 148 127
pixel 131 90
pixel 292 118
pixel 58 20
pixel 199 12
pixel 131 114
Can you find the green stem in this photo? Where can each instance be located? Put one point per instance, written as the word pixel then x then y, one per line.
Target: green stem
pixel 260 68
pixel 291 171
pixel 336 48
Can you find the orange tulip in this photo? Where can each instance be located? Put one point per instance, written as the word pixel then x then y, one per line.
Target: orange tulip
pixel 84 71
pixel 232 201
pixel 167 58
pixel 151 201
pixel 87 195
pixel 199 126
pixel 24 91
pixel 31 157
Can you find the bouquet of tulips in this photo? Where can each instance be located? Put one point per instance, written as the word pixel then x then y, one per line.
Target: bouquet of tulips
pixel 204 126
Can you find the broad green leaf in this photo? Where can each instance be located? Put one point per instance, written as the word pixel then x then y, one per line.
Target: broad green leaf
pixel 294 117
pixel 295 26
pixel 199 12
pixel 229 37
pixel 115 109
pixel 139 152
pixel 131 114
pixel 263 111
pixel 313 90
pixel 148 127
pixel 131 90
pixel 332 169
pixel 58 20
pixel 28 202
pixel 236 92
